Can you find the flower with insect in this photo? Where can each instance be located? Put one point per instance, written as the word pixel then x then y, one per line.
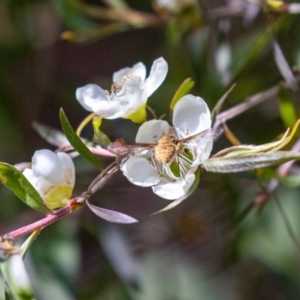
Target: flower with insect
pixel 128 94
pixel 53 176
pixel 166 157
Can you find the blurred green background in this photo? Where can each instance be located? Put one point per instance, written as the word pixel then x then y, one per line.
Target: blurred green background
pixel 209 247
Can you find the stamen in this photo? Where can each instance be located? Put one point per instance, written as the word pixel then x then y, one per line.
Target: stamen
pixel 115 88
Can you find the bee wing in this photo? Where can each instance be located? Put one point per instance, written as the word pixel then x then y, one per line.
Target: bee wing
pixel 120 147
pixel 198 136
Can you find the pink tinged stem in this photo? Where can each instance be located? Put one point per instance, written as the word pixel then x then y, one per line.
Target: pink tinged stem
pixel 58 214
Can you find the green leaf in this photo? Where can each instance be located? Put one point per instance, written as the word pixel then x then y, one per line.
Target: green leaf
pixel 247 150
pixel 248 53
pixel 248 162
pixel 76 142
pixel 18 183
pixel 70 11
pixel 183 89
pixel 26 245
pixel 291 181
pixel 16 278
pixel 220 103
pixel 286 107
pixel 100 137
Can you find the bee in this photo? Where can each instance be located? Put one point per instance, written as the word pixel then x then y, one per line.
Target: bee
pixel 167 150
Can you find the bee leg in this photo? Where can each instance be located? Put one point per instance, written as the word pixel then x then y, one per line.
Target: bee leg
pixel 156 167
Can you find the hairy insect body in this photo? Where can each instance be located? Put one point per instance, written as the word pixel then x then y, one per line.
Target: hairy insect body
pixel 166 149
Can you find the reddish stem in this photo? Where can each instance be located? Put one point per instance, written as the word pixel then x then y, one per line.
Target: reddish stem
pixel 41 223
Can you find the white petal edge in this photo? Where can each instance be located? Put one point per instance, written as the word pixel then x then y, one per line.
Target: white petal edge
pixel 130 98
pixel 45 164
pixel 191 114
pixel 68 167
pixel 138 69
pixel 117 76
pixel 152 131
pixel 90 95
pixel 140 172
pixel 157 75
pixel 172 190
pixel 202 150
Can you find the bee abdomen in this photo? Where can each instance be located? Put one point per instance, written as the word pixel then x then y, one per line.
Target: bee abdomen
pixel 165 149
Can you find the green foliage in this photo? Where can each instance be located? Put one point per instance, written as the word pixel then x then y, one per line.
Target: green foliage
pixel 18 183
pixel 76 142
pixel 231 238
pixel 248 162
pixel 99 137
pixel 183 89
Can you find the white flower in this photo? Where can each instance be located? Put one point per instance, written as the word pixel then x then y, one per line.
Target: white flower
pixel 53 176
pixel 171 173
pixel 129 91
pixel 174 6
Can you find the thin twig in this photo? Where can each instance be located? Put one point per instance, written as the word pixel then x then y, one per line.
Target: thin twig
pixel 105 175
pixel 244 106
pixel 41 223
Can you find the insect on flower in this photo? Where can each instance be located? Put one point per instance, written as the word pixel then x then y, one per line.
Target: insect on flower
pixel 166 157
pixel 167 150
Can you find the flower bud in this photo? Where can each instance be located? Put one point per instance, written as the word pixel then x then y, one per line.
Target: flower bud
pixel 53 176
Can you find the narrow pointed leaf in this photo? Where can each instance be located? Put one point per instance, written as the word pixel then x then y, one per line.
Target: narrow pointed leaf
pixel 51 135
pixel 179 200
pixel 22 188
pixel 250 162
pixel 220 103
pixel 247 150
pixel 111 215
pixel 76 142
pixel 183 89
pixel 284 67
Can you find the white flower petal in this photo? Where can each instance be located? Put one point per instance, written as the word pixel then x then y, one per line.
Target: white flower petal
pixel 172 190
pixel 139 171
pixel 117 76
pixel 152 131
pixel 53 177
pixel 138 69
pixel 45 164
pixel 202 149
pixel 68 166
pixel 191 114
pixel 28 173
pixel 90 95
pixel 157 75
pixel 130 98
pixel 128 94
